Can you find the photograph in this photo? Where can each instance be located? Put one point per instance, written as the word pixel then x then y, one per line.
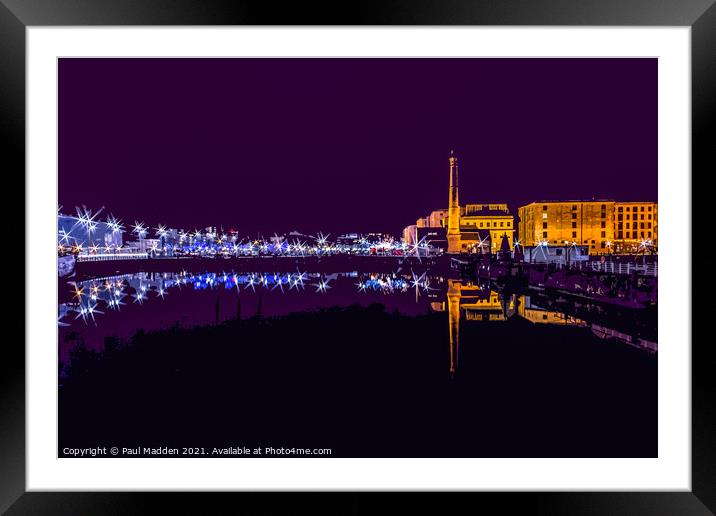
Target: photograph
pixel 269 257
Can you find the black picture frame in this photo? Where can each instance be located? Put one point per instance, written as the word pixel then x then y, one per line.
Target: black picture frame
pixel 16 15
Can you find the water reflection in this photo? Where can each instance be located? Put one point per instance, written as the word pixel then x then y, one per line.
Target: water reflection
pixel 87 303
pixel 89 296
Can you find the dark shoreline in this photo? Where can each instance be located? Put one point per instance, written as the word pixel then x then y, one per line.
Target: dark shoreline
pixel 366 382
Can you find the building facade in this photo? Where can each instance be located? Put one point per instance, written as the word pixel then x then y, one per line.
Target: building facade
pixel 563 255
pixel 410 234
pixel 71 231
pixel 473 228
pixel 494 219
pixel 605 226
pixel 587 223
pixel 636 226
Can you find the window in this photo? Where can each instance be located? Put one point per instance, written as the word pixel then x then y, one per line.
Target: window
pixel 620 209
pixel 574 215
pixel 544 208
pixel 627 216
pixel 544 234
pixel 544 225
pixel 641 225
pixel 502 224
pixel 648 224
pixel 649 234
pixel 642 216
pixel 574 207
pixel 649 216
pixel 602 245
pixel 604 207
pixel 604 224
pixel 480 224
pixel 620 234
pixel 604 234
pixel 593 242
pixel 620 216
pixel 649 208
pixel 488 224
pixel 574 225
pixel 544 215
pixel 627 225
pixel 574 234
pixel 642 209
pixel 642 234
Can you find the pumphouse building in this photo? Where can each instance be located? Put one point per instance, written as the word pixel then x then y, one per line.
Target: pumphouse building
pixel 471 228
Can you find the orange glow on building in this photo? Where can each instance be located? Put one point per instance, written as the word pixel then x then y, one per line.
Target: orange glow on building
pixel 605 226
pixel 589 223
pixel 467 225
pixel 635 222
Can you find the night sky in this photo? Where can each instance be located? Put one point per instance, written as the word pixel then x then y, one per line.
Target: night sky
pixel 342 145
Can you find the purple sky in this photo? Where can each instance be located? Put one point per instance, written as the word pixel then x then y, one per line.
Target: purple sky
pixel 338 145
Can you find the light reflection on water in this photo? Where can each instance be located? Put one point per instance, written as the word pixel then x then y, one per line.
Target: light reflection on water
pixel 91 297
pixel 94 309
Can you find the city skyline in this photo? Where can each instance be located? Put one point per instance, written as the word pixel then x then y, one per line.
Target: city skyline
pixel 349 145
pixel 308 233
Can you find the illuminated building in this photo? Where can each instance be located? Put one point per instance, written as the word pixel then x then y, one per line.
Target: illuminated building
pixel 589 223
pixel 473 228
pixel 348 239
pixel 564 254
pixel 436 219
pixel 634 223
pixel 144 245
pixel 374 238
pixel 433 237
pixel 492 219
pixel 86 232
pixel 410 234
pixel 605 226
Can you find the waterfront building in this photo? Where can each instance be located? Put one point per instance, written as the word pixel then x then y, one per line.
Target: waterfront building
pixel 410 234
pixel 494 220
pixel 347 239
pixel 433 237
pixel 171 237
pixel 374 238
pixel 588 223
pixel 472 228
pixel 436 219
pixel 563 255
pixel 144 245
pixel 73 231
pixel 606 226
pixel 634 223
